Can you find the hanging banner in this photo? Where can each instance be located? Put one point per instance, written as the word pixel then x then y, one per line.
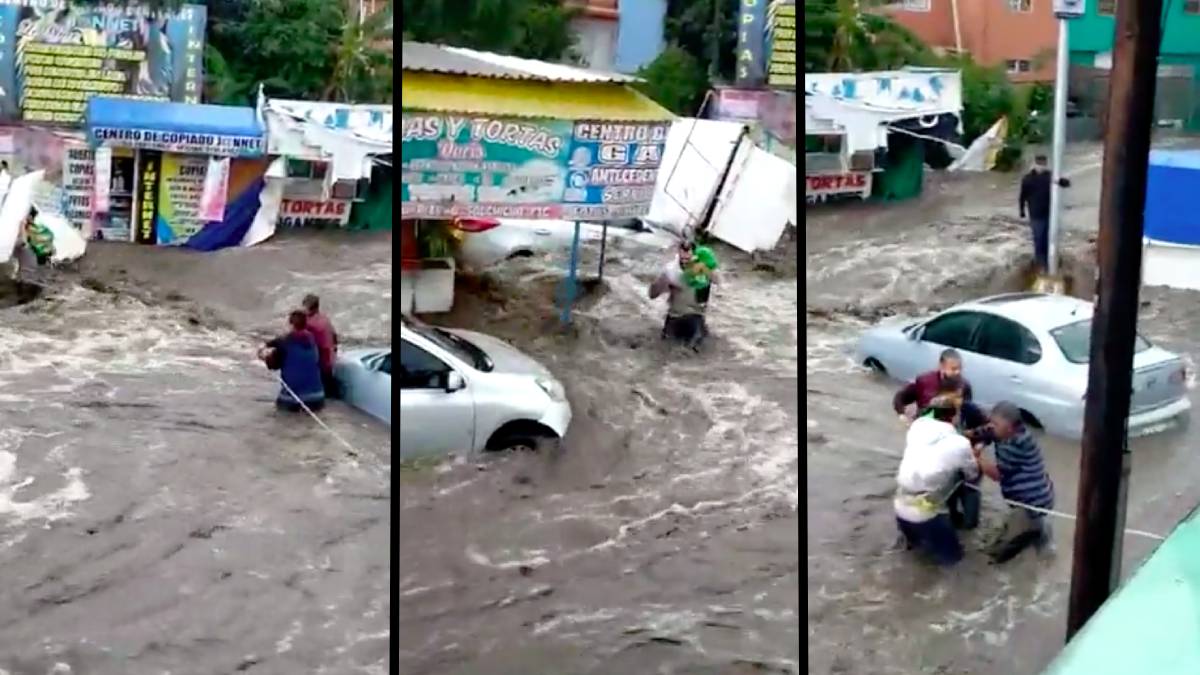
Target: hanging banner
pixel 613 169
pixel 216 187
pixel 179 197
pixel 54 55
pixel 144 230
pixel 103 182
pixel 482 167
pixel 781 39
pixel 751 28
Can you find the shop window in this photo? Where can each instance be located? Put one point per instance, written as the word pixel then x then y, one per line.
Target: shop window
pixel 1191 6
pixel 916 5
pixel 300 168
pixel 1021 6
pixel 1107 7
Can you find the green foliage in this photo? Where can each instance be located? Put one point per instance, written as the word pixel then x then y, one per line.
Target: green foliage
pixel 535 29
pixel 676 80
pixel 840 37
pixel 694 26
pixel 302 49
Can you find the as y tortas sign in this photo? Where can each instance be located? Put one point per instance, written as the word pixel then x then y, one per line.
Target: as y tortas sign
pixel 825 184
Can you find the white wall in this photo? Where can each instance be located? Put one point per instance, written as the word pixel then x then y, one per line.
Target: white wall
pixel 596 42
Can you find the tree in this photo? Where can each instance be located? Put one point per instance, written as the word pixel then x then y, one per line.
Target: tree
pixel 840 37
pixel 534 29
pixel 362 67
pixel 675 80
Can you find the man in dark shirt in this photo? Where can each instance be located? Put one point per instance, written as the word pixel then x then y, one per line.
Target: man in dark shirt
pixel 1021 471
pixel 1035 200
pixel 947 378
pixel 323 332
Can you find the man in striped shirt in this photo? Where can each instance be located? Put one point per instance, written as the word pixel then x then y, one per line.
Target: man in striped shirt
pixel 1021 472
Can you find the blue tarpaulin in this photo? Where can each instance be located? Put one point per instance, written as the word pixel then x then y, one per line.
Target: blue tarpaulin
pixel 1173 197
pixel 219 130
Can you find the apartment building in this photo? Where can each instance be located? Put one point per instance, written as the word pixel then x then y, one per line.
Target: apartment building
pixel 1021 35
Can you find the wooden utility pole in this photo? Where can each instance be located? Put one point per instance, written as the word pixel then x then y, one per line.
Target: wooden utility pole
pixel 1104 460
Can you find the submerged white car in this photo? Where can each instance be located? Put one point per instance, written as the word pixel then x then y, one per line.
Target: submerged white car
pixel 466 392
pixel 488 243
pixel 1031 349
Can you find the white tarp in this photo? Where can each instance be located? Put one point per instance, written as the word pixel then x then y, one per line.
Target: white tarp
pixel 757 202
pixel 14 210
pixel 346 136
pixel 694 160
pixel 263 226
pixel 981 156
pixel 864 103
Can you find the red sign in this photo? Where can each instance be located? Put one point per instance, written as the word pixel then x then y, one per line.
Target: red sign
pixel 837 183
pixel 314 212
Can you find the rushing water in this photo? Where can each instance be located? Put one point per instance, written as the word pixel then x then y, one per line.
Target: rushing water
pixel 872 606
pixel 156 513
pixel 663 538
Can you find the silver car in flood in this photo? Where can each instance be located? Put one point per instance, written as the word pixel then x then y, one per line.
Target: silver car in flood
pixel 466 392
pixel 1031 349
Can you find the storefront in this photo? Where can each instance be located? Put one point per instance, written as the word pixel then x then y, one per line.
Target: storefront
pixel 336 169
pixel 491 137
pixel 168 173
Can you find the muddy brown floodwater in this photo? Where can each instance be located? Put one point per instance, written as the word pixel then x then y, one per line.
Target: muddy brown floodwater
pixel 873 607
pixel 156 514
pixel 663 538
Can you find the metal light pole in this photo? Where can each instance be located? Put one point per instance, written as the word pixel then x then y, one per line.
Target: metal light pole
pixel 1060 141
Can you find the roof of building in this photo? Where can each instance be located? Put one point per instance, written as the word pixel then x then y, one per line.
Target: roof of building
pixel 1150 624
pixel 529 99
pixel 167 116
pixel 421 57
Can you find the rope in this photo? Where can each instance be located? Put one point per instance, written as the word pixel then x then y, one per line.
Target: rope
pixel 1059 514
pixel 350 448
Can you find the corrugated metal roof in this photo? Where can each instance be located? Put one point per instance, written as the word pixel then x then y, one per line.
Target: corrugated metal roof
pixel 428 58
pixel 489 96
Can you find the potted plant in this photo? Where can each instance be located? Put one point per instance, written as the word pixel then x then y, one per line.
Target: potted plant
pixel 433 281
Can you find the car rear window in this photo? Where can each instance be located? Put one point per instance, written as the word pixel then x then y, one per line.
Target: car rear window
pixel 1075 341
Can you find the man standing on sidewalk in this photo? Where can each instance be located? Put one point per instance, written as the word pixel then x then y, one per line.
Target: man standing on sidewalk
pixel 1035 200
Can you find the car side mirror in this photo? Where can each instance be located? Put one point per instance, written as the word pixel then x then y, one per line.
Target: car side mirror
pixel 915 333
pixel 455 382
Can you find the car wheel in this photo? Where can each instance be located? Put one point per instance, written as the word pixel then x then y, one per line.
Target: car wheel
pixel 521 438
pixel 875 366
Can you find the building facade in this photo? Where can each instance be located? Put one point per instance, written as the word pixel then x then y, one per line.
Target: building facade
pixel 1178 89
pixel 619 36
pixel 1020 35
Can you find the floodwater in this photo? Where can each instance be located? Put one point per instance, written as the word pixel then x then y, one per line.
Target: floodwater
pixel 157 515
pixel 872 606
pixel 664 536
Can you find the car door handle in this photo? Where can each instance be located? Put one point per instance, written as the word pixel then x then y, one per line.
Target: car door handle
pixel 544 232
pixel 1015 379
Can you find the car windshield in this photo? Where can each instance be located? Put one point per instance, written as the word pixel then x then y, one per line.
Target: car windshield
pixel 455 344
pixel 1075 341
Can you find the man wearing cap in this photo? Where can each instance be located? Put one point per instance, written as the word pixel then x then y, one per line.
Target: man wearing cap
pixel 1020 470
pixel 936 458
pixel 1035 200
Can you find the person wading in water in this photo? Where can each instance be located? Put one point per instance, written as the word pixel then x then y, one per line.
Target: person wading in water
pixel 296 357
pixel 688 282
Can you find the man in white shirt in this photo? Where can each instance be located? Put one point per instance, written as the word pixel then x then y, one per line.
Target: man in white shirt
pixel 936 458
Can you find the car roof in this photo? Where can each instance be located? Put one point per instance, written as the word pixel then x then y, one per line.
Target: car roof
pixel 1039 311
